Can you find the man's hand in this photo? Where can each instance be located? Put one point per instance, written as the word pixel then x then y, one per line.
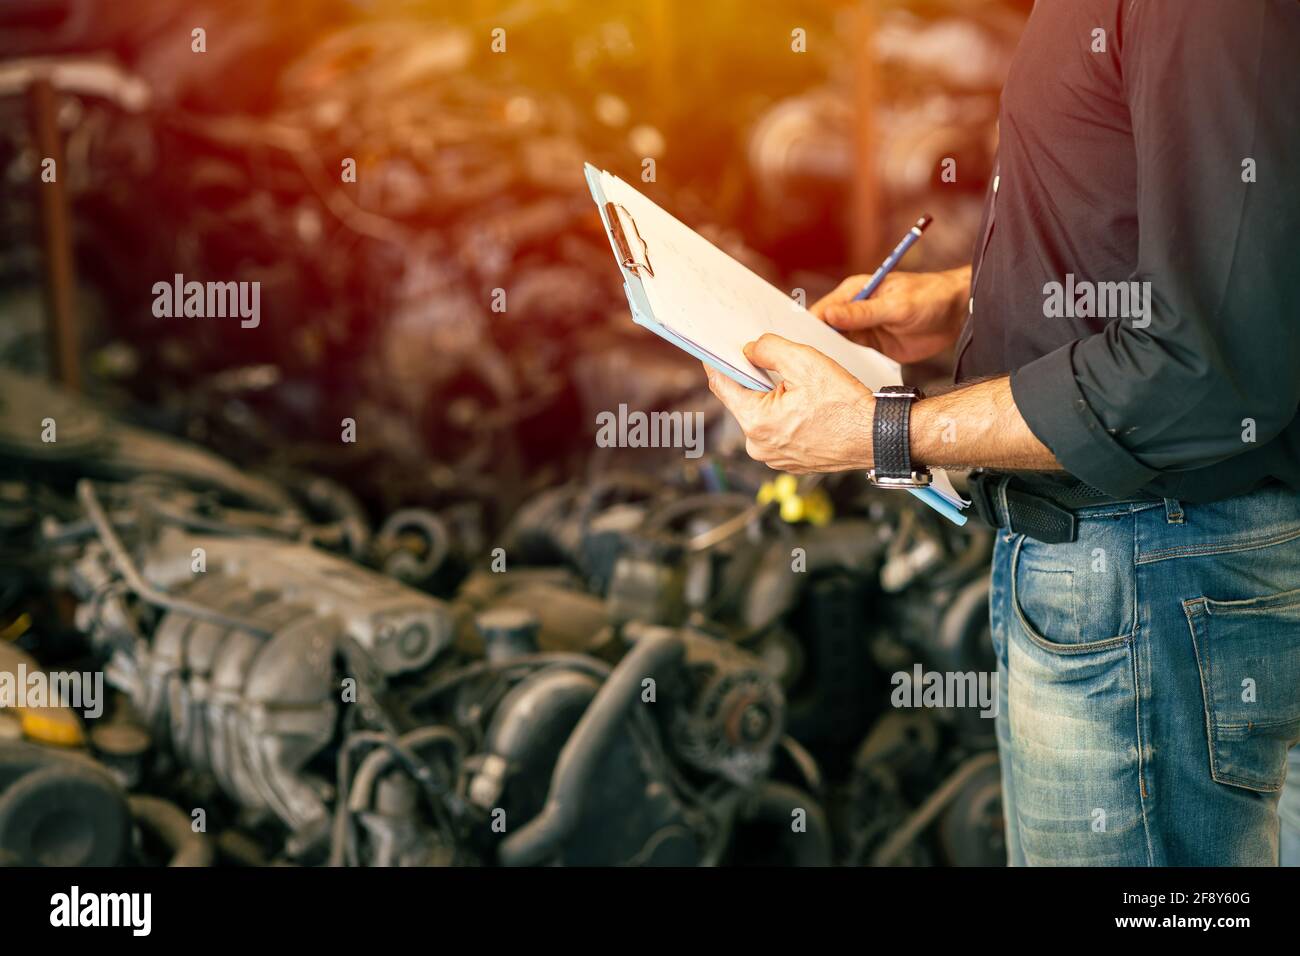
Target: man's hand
pixel 912 316
pixel 818 418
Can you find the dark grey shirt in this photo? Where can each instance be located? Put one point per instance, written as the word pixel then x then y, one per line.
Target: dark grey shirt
pixel 1149 148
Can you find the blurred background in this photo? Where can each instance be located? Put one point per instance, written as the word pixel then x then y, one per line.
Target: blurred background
pixel 474 431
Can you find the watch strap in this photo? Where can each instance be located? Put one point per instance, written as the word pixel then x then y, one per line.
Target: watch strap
pixel 890 435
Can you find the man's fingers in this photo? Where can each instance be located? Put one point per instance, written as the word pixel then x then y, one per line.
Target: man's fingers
pixel 738 399
pixel 843 292
pixel 855 316
pixel 894 303
pixel 786 358
pixel 866 337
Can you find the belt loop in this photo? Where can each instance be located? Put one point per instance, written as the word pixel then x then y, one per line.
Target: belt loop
pixel 1173 511
pixel 1000 502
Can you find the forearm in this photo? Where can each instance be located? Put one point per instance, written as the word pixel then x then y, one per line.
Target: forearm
pixel 976 426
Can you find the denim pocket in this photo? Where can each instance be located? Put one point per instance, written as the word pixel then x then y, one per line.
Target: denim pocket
pixel 1044 596
pixel 1248 653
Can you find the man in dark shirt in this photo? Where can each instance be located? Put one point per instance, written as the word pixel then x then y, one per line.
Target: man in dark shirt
pixel 1129 343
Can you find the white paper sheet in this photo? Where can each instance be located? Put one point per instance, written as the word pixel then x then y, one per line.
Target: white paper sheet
pixel 705 297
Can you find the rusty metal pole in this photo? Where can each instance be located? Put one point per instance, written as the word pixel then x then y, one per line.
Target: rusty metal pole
pixel 663 58
pixel 56 228
pixel 866 206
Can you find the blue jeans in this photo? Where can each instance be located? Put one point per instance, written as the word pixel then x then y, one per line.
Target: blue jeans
pixel 1289 812
pixel 1149 682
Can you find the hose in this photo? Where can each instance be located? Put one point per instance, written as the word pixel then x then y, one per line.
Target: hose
pixel 344 507
pixel 403 564
pixel 147 592
pixel 663 517
pixel 775 803
pixel 453 679
pixel 805 762
pixel 340 831
pixel 653 654
pixel 375 763
pixel 540 709
pixel 169 824
pixel 530 707
pixel 926 813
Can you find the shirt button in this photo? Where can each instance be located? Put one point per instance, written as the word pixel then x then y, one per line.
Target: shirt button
pixel 971 306
pixel 997 181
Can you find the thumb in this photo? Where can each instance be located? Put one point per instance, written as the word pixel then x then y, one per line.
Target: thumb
pixel 779 354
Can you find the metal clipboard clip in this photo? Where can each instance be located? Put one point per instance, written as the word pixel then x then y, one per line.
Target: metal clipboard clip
pixel 616 213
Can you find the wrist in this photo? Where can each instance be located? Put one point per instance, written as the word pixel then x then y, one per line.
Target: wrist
pixel 932 434
pixel 867 416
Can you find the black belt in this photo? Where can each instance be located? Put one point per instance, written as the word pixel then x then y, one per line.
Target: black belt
pixel 1036 504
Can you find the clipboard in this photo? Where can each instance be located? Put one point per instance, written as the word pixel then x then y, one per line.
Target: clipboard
pixel 678 285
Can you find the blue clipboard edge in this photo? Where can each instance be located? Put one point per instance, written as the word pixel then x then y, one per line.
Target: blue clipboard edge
pixel 643 316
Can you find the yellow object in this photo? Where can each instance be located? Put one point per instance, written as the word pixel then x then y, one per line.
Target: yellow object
pixel 814 507
pixel 47 725
pixel 18 628
pixel 818 508
pixel 52 725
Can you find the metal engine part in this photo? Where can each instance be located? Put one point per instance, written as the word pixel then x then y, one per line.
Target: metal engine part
pixel 59 809
pixel 733 712
pixel 251 693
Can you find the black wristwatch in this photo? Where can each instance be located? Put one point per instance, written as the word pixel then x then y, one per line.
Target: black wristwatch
pixel 891 440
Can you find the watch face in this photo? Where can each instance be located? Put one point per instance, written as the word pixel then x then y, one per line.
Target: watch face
pixel 917 479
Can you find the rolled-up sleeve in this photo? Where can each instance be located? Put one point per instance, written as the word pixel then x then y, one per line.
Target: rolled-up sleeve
pixel 1214 369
